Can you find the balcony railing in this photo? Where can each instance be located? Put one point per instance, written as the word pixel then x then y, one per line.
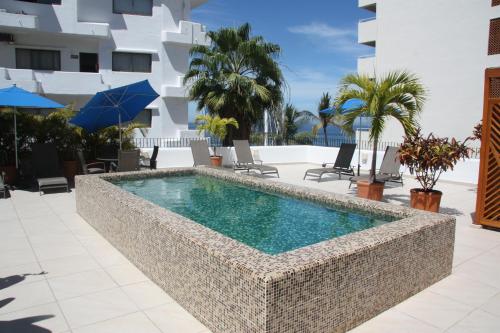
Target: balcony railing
pixel 54 82
pixel 189 33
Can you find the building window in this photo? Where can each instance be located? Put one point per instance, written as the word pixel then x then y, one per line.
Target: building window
pixel 131 62
pixel 133 7
pixel 144 119
pixel 45 2
pixel 47 60
pixel 495 2
pixel 494 41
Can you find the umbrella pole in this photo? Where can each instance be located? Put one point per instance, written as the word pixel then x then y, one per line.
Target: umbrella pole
pixel 120 128
pixel 15 137
pixel 359 146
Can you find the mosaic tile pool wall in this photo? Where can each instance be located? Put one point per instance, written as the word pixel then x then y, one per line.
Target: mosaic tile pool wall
pixel 330 286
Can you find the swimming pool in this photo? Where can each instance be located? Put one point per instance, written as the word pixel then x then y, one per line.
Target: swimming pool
pixel 329 286
pixel 268 222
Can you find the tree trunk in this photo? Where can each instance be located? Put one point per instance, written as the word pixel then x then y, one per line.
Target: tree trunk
pixel 326 138
pixel 374 161
pixel 241 133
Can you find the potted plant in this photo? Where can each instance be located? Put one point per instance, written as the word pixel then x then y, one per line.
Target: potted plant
pixel 427 158
pixel 398 95
pixel 217 127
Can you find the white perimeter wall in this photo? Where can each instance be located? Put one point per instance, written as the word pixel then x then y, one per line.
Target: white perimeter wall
pixel 445 42
pixel 465 172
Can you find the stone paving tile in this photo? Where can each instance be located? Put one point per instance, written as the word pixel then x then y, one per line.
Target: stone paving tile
pixel 147 295
pixel 171 319
pixel 126 274
pixel 132 323
pixel 477 321
pixel 492 305
pixel 82 283
pixel 23 296
pixel 93 308
pixel 48 316
pixel 434 309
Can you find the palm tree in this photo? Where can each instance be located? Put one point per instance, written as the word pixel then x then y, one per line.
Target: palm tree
pixel 293 118
pixel 236 76
pixel 324 119
pixel 398 95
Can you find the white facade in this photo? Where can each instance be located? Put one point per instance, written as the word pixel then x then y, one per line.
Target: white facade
pixel 445 43
pixel 74 27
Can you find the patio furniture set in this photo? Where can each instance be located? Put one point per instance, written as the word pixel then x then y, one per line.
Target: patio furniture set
pixel 388 172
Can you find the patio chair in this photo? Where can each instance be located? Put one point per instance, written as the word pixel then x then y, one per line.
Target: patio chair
pixel 389 169
pixel 150 162
pixel 46 168
pixel 201 154
pixel 90 168
pixel 342 165
pixel 128 160
pixel 245 161
pixel 3 187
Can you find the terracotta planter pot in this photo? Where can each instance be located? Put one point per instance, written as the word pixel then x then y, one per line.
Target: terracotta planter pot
pixel 216 161
pixel 428 201
pixel 70 169
pixel 373 191
pixel 10 173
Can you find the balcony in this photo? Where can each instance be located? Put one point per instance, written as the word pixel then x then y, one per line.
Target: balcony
pixel 370 5
pixel 177 90
pixel 366 65
pixel 14 21
pixel 188 34
pixel 367 31
pixel 173 91
pixel 55 83
pixel 57 19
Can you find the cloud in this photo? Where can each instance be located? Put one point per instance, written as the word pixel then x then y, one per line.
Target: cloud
pixel 328 37
pixel 306 86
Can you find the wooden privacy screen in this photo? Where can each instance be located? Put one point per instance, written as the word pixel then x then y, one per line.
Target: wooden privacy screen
pixel 488 194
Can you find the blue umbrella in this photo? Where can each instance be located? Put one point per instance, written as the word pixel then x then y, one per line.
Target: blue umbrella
pixel 114 106
pixel 19 98
pixel 328 111
pixel 363 123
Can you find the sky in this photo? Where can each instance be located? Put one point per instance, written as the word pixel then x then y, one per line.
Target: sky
pixel 318 39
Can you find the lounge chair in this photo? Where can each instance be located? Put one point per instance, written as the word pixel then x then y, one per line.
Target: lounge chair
pixel 3 187
pixel 47 168
pixel 150 163
pixel 90 168
pixel 128 160
pixel 201 154
pixel 342 165
pixel 389 169
pixel 245 161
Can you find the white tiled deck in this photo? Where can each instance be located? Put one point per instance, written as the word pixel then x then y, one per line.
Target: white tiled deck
pixel 88 286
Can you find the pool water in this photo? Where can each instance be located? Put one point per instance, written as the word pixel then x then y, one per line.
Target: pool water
pixel 268 222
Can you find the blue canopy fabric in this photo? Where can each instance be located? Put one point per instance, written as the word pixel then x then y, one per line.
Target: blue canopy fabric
pixel 114 106
pixel 20 98
pixel 327 111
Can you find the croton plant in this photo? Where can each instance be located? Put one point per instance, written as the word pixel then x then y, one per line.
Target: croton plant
pixel 428 157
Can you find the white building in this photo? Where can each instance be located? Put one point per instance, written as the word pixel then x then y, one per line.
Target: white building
pixel 445 43
pixel 70 49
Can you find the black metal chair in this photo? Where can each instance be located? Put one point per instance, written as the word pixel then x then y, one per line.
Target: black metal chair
pixel 47 168
pixel 90 168
pixel 342 165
